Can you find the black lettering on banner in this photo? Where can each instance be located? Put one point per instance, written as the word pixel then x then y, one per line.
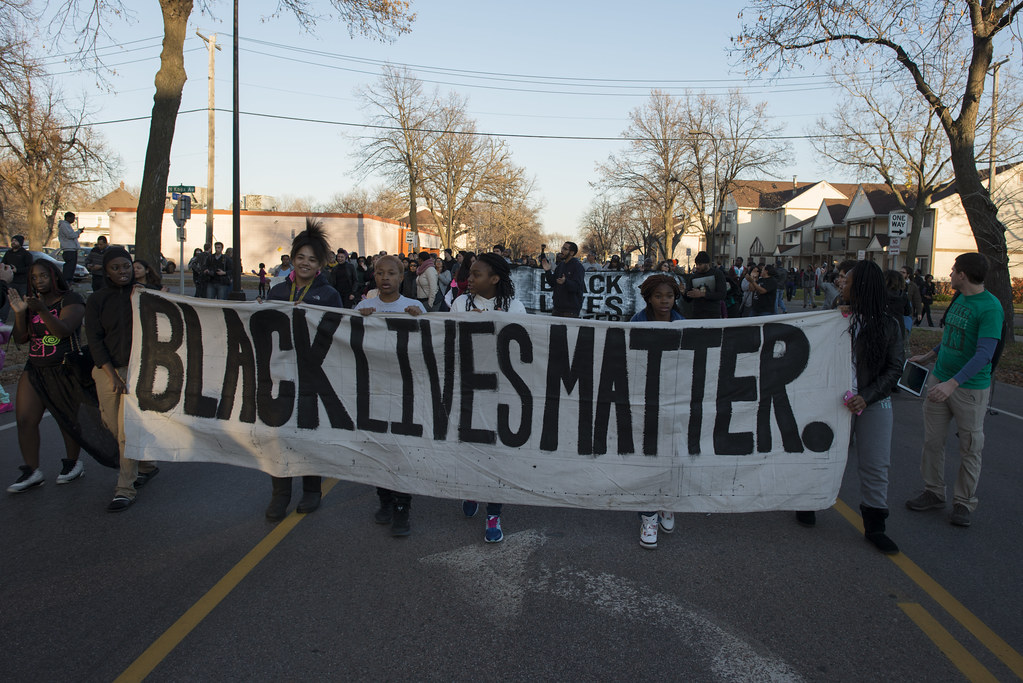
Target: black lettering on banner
pixel 473 381
pixel 613 390
pixel 698 340
pixel 562 372
pixel 263 324
pixel 407 426
pixel 596 284
pixel 655 342
pixel 613 304
pixel 613 285
pixel 735 340
pixel 775 373
pixel 196 404
pixel 442 398
pixel 519 335
pixel 313 383
pixel 240 361
pixel 592 305
pixel 159 354
pixel 362 384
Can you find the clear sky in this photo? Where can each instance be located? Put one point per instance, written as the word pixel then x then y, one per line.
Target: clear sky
pixel 673 45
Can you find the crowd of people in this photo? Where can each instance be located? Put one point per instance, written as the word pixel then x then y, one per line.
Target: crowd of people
pixel 85 391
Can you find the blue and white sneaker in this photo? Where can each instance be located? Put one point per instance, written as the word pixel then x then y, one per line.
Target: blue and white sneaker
pixel 494 533
pixel 470 508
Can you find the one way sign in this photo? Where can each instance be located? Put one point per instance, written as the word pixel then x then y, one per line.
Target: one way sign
pixel 898 224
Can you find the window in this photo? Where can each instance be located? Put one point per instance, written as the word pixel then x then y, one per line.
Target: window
pixel 823 236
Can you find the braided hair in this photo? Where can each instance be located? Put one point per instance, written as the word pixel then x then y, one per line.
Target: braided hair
pixel 505 288
pixel 868 308
pixel 57 281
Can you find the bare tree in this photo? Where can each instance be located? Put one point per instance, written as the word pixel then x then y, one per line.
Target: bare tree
pixel 654 161
pixel 918 39
pixel 410 123
pixel 374 18
pixel 511 216
pixel 48 153
pixel 726 141
pixel 382 201
pixel 461 167
pixel 288 202
pixel 603 226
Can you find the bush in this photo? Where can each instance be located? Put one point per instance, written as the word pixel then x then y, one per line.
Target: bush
pixel 943 290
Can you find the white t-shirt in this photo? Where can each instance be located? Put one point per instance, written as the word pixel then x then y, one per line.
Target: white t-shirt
pixel 481 304
pixel 397 306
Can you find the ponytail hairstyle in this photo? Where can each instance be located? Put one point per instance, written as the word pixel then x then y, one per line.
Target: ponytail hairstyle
pixel 315 237
pixel 505 289
pixel 868 308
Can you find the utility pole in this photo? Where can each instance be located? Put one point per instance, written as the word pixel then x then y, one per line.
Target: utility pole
pixel 994 120
pixel 211 43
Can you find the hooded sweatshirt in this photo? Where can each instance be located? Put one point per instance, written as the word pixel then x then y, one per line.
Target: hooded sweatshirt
pixel 108 317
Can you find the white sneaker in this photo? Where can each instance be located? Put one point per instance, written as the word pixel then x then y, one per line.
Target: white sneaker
pixel 27 480
pixel 648 531
pixel 71 471
pixel 667 521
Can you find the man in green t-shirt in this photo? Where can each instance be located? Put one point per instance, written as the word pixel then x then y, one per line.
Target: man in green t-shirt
pixel 959 389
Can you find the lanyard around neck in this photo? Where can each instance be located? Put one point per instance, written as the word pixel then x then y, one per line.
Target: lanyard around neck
pixel 300 296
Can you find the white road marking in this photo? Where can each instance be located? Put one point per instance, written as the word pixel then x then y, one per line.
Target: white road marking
pixel 497 577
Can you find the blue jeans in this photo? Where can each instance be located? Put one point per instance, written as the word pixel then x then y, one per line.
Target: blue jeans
pixel 218 291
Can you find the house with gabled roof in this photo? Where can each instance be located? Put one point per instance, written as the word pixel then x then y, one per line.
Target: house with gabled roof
pixel 759 216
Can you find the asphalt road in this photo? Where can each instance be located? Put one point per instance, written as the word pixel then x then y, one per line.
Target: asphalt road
pixel 192 584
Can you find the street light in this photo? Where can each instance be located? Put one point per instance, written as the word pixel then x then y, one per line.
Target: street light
pixel 714 202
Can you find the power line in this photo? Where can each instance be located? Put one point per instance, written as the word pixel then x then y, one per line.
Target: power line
pixel 528 136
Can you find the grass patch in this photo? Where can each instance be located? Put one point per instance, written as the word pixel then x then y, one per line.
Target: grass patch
pixel 1010 367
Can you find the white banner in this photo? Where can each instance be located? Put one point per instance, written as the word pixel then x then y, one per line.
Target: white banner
pixel 708 416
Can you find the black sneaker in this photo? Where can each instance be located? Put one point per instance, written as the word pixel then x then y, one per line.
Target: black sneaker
pixel 385 513
pixel 144 477
pixel 960 515
pixel 400 525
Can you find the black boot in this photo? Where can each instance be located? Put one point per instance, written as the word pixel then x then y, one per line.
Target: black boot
pixel 400 525
pixel 386 511
pixel 311 494
pixel 279 501
pixel 807 518
pixel 873 529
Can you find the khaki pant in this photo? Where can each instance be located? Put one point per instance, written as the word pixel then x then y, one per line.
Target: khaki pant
pixel 111 410
pixel 968 408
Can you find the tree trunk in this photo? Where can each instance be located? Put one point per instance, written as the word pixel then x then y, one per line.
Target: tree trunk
pixel 988 231
pixel 35 223
pixel 170 81
pixel 413 209
pixel 919 213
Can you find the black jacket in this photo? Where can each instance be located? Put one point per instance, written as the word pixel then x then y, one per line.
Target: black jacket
pixel 21 261
pixel 345 281
pixel 569 296
pixel 876 386
pixel 320 293
pixel 108 322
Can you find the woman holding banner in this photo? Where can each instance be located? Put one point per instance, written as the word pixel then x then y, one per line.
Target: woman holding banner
pixel 876 339
pixel 490 290
pixel 309 251
pixel 659 292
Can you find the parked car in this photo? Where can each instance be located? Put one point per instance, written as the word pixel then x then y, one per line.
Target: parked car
pixel 80 272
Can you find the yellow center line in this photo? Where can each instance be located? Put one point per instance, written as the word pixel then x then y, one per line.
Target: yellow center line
pixel 940 595
pixel 180 629
pixel 952 648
